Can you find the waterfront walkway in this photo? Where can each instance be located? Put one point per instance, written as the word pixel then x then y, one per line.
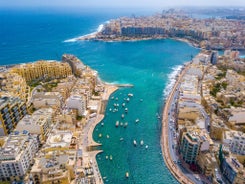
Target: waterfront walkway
pixel 164 137
pixel 88 144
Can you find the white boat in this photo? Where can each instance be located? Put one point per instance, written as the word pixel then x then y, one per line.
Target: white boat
pixel 128 99
pixel 102 124
pixel 110 157
pixel 137 120
pixel 106 157
pixel 141 142
pixel 125 124
pixel 121 139
pixel 127 175
pixel 122 116
pixel 123 104
pixel 121 124
pixel 116 98
pixel 107 136
pixel 110 109
pixel 135 143
pixel 146 147
pixel 158 116
pixel 130 94
pixel 126 110
pixel 117 123
pixel 100 135
pixel 112 97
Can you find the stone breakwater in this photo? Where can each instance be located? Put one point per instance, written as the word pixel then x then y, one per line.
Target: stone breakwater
pixel 204 33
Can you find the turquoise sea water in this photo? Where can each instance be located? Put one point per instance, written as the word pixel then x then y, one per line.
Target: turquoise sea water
pixel 28 35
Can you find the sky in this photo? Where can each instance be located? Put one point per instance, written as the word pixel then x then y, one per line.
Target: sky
pixel 120 3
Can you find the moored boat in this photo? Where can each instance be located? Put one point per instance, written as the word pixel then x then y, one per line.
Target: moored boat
pixel 125 124
pixel 117 123
pixel 130 94
pixel 126 174
pixel 141 142
pixel 135 143
pixel 137 120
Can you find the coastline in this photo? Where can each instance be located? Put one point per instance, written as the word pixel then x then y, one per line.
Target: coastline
pixel 109 89
pixel 164 133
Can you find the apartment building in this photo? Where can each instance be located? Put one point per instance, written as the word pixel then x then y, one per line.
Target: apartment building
pixel 43 70
pixel 38 123
pixel 17 155
pixel 12 110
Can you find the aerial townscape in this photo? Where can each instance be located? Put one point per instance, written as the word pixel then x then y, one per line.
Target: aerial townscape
pixel 49 109
pixel 209 33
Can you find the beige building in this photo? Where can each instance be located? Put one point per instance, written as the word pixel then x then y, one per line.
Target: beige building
pixel 14 84
pixel 47 99
pixel 43 70
pixel 54 167
pixel 207 162
pixel 38 123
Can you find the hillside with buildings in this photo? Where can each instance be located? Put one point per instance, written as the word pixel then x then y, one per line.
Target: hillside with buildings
pixel 208 123
pixel 44 107
pixel 209 33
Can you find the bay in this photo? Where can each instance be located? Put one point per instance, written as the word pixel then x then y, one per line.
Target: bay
pixel 33 34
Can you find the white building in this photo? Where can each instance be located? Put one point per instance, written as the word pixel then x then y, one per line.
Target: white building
pixel 37 123
pixel 235 140
pixel 17 154
pixel 78 103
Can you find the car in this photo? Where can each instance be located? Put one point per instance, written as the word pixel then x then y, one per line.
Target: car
pixel 197 178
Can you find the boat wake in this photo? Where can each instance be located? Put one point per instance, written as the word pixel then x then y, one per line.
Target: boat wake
pixel 171 80
pixel 99 29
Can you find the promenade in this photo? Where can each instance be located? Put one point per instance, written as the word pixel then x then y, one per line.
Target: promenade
pixel 177 173
pixel 87 142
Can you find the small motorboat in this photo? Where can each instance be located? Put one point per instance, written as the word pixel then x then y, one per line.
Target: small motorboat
pixel 141 142
pixel 135 143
